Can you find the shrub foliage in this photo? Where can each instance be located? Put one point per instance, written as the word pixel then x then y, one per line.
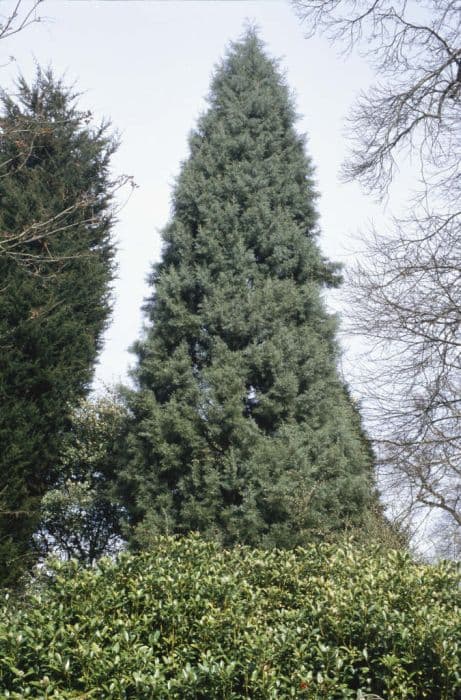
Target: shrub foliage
pixel 192 620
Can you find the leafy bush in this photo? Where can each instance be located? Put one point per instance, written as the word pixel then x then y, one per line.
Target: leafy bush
pixel 79 516
pixel 191 620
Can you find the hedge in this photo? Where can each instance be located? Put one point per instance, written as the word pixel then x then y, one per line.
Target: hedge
pixel 191 620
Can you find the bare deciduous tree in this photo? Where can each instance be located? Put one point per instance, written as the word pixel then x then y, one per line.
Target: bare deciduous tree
pixel 406 292
pixel 406 297
pixel 416 102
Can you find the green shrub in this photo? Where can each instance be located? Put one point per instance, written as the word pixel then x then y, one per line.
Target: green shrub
pixel 191 620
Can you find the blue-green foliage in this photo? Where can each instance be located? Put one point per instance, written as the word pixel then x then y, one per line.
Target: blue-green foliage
pixel 241 426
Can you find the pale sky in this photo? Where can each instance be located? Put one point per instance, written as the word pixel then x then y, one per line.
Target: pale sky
pixel 147 65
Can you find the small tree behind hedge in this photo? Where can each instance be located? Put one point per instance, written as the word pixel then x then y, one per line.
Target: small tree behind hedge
pixel 80 516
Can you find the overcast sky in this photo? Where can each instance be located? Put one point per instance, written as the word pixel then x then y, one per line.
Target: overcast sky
pixel 147 65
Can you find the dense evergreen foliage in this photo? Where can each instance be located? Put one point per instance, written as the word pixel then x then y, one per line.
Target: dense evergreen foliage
pixel 55 270
pixel 241 427
pixel 192 620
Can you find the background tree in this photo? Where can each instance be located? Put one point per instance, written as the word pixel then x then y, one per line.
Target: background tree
pixel 80 516
pixel 241 427
pixel 55 290
pixel 406 294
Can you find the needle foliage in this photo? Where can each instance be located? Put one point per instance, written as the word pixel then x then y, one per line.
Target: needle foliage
pixel 242 428
pixel 56 264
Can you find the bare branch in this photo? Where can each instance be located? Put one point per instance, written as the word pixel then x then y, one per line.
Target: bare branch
pixel 19 19
pixel 405 295
pixel 416 105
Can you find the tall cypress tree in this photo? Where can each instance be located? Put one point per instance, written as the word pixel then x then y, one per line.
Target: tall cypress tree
pixel 241 426
pixel 56 264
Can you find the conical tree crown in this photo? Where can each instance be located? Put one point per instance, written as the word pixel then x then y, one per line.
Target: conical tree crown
pixel 241 426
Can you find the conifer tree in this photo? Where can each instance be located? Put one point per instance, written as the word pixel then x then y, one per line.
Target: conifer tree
pixel 241 426
pixel 56 264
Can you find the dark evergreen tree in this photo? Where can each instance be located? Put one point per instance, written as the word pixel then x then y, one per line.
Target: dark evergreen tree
pixel 241 426
pixel 56 265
